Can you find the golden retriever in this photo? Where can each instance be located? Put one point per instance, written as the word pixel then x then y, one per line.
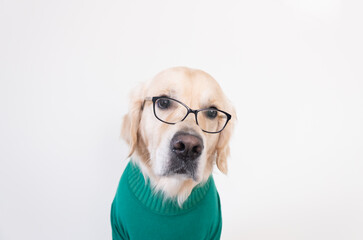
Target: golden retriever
pixel 173 130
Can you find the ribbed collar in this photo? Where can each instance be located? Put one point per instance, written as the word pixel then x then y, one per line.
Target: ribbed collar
pixel 156 202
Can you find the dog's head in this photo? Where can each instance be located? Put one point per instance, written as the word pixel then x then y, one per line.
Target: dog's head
pixel 178 126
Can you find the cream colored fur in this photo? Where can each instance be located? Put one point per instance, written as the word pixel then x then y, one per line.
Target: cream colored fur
pixel 149 138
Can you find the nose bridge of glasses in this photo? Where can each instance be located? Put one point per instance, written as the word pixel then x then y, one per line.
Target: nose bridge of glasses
pixel 190 118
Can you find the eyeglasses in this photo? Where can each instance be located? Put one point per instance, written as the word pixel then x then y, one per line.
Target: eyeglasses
pixel 172 111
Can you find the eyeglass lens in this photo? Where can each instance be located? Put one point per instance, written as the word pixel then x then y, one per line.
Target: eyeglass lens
pixel 171 111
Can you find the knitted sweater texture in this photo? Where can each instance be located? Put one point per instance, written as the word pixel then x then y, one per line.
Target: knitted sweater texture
pixel 138 213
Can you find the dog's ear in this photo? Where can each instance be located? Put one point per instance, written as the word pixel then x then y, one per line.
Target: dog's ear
pixel 131 121
pixel 222 148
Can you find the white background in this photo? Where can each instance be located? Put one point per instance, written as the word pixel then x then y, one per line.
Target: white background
pixel 293 69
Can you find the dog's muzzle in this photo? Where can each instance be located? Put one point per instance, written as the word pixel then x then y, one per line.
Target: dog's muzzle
pixel 185 149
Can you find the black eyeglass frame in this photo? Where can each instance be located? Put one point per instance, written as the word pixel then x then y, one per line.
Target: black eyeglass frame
pixel 154 99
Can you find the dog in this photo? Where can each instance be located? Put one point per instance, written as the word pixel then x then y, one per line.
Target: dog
pixel 178 127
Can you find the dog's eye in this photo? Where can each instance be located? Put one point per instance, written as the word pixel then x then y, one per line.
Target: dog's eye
pixel 163 103
pixel 211 114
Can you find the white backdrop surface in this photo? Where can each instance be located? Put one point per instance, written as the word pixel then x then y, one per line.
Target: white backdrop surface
pixel 293 69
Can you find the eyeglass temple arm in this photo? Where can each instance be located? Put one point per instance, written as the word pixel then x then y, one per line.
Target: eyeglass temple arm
pixel 146 99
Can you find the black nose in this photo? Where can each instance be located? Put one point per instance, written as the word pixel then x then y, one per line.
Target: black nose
pixel 186 147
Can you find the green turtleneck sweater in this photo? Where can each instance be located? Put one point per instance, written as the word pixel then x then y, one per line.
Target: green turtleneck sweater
pixel 137 213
